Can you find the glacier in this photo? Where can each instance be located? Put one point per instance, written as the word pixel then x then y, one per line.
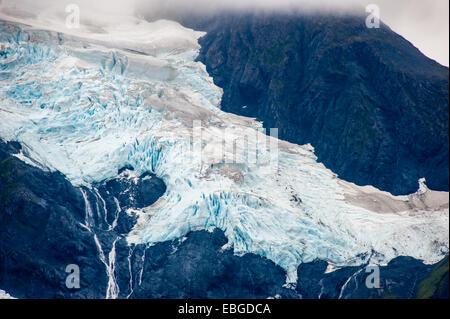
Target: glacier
pixel 5 295
pixel 90 101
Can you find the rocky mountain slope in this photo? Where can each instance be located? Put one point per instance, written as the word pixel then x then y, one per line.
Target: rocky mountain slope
pixel 372 105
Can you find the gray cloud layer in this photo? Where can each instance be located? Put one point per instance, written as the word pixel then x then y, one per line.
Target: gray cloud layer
pixel 423 22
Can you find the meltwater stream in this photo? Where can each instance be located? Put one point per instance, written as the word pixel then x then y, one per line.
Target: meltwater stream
pixel 88 103
pixel 112 290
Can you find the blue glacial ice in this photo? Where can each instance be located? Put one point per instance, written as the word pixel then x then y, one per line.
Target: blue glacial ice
pixel 87 104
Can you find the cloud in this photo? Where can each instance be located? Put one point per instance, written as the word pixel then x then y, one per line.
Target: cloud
pixel 179 7
pixel 423 22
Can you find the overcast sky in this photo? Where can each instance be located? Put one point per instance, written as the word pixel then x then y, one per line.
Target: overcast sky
pixel 425 23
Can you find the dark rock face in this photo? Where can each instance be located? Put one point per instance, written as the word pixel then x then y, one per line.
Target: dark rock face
pixel 40 233
pixel 131 194
pixel 436 284
pixel 373 106
pixel 197 267
pixel 43 228
pixel 399 279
